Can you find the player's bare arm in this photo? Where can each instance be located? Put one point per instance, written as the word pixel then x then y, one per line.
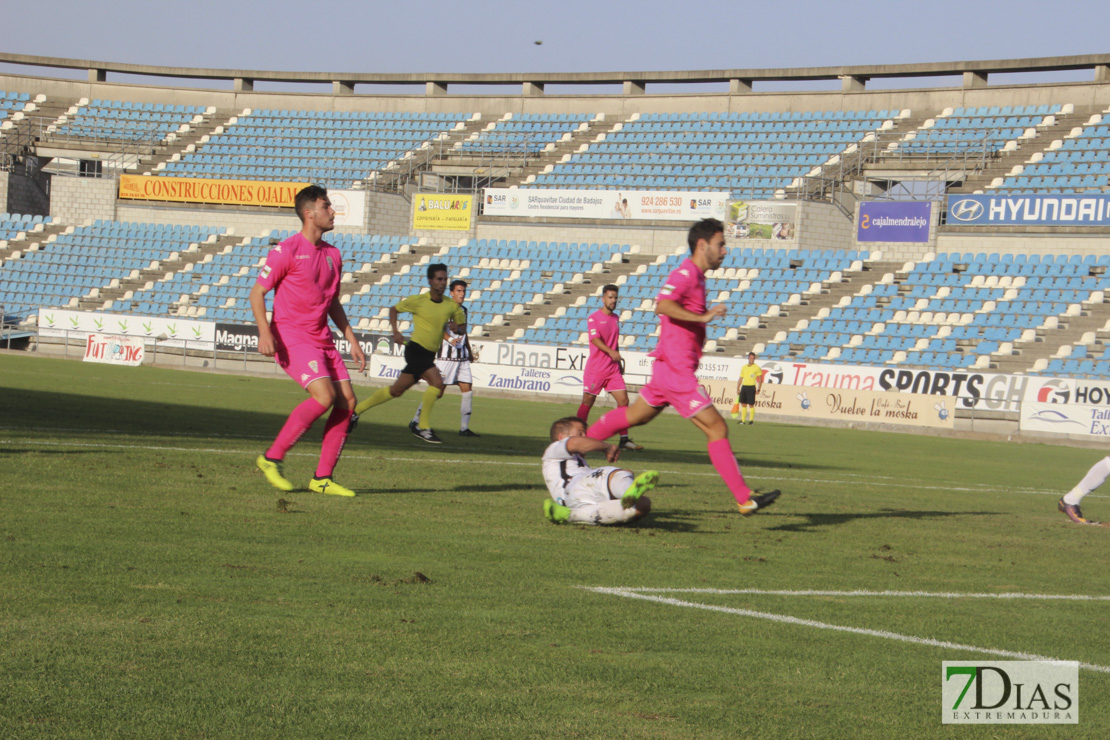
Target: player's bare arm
pixel 257 300
pixel 672 309
pixel 339 318
pixel 585 445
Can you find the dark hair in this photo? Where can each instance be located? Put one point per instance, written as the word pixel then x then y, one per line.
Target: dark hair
pixel 456 283
pixel 704 229
pixel 563 426
pixel 434 268
pixel 610 287
pixel 307 197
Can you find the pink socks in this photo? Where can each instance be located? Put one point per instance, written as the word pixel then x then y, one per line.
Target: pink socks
pixel 720 454
pixel 296 425
pixel 335 436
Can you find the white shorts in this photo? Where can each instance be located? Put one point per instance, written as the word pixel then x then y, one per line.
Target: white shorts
pixel 592 489
pixel 455 372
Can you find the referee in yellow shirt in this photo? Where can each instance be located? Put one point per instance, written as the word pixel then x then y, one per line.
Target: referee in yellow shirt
pixel 749 386
pixel 430 313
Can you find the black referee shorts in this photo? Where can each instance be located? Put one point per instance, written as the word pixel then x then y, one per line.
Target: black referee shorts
pixel 747 395
pixel 418 360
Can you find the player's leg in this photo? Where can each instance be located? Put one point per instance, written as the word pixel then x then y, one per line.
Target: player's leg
pixel 586 405
pixel 466 405
pixel 298 363
pixel 435 390
pixel 337 426
pixel 724 461
pixel 1094 478
pixel 620 395
pixel 609 512
pixel 623 417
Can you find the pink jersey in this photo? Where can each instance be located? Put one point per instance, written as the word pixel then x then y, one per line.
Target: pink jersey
pixel 680 342
pixel 607 328
pixel 305 280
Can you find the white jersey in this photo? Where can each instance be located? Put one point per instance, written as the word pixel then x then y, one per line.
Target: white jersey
pixel 561 469
pixel 456 347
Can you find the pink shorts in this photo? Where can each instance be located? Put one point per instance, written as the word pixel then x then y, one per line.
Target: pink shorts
pixel 609 379
pixel 682 391
pixel 305 363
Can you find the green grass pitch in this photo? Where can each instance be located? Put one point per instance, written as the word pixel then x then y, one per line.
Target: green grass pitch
pixel 153 585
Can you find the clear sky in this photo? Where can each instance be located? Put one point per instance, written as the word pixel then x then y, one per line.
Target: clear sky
pixel 577 35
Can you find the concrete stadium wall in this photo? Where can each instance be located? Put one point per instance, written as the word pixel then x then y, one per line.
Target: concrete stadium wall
pixel 79 199
pixel 616 104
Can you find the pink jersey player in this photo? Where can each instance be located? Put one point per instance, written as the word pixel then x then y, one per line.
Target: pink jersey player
pixel 304 272
pixel 604 371
pixel 682 311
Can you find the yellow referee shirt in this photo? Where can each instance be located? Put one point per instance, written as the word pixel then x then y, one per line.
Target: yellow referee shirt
pixel 429 318
pixel 750 374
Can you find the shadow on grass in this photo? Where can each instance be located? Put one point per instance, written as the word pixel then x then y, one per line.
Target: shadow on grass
pixel 78 415
pixel 816 521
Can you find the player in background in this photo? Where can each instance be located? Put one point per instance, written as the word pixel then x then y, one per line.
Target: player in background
pixel 304 272
pixel 603 366
pixel 453 362
pixel 683 314
pixel 431 312
pixel 748 387
pixel 1094 478
pixel 584 495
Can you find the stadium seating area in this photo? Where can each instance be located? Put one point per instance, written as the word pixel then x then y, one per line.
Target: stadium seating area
pixel 527 132
pixel 333 149
pixel 1082 163
pixel 122 120
pixel 948 311
pixel 750 154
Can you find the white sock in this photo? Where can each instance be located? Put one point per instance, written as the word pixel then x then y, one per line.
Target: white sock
pixel 416 416
pixel 609 512
pixel 1094 478
pixel 465 408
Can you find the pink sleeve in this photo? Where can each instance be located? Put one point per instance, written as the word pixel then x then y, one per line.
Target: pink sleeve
pixel 277 264
pixel 675 287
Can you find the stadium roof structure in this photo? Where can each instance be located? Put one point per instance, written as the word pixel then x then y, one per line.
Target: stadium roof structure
pixel 853 78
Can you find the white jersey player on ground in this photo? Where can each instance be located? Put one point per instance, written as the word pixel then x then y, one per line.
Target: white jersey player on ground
pixel 584 495
pixel 453 361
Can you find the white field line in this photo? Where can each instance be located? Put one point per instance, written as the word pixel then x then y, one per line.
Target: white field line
pixel 874 481
pixel 786 619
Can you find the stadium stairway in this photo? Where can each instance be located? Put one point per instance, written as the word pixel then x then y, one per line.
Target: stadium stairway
pixel 586 292
pixel 102 298
pixel 1026 151
pixel 790 317
pixel 29 241
pixel 562 151
pixel 214 121
pixel 1057 335
pixel 407 169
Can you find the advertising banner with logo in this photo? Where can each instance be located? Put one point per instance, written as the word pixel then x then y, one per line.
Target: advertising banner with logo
pixel 870 407
pixel 218 192
pixel 1071 209
pixel 968 388
pixel 442 212
pixel 114 350
pixel 1009 692
pixel 890 221
pixel 237 337
pixel 761 219
pixel 647 205
pixel 1066 406
pixel 350 207
pixel 168 331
